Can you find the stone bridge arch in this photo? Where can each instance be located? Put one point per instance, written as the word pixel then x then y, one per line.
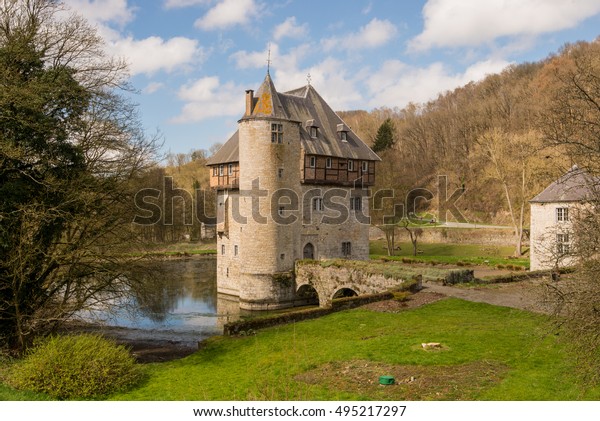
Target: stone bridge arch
pixel 326 278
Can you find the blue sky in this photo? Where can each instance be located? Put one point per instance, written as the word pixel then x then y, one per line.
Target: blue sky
pixel 192 60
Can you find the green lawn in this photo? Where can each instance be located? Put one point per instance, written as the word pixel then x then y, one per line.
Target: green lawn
pixel 451 253
pixel 489 353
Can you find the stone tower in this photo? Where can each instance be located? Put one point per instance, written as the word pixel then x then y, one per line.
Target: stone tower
pixel 289 151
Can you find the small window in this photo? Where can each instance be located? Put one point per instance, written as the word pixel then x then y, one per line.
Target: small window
pixel 215 171
pixel 355 203
pixel 313 131
pixel 280 172
pixel 318 204
pixel 223 249
pixel 365 166
pixel 344 136
pixel 562 243
pixel 230 169
pixel 328 163
pixel 313 161
pixel 276 133
pixel 346 248
pixel 281 210
pixel 562 214
pixel 221 170
pixel 350 165
pixel 235 250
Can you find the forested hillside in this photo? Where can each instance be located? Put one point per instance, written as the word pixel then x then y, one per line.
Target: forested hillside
pixel 497 139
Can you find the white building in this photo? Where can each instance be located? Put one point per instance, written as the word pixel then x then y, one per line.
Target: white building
pixel 552 215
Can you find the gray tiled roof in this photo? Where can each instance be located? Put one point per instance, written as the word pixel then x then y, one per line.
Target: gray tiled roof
pixel 302 105
pixel 575 185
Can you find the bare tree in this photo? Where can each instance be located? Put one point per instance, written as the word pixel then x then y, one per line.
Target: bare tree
pixel 570 123
pixel 71 149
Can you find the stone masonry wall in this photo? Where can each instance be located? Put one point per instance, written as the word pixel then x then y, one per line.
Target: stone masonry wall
pixel 328 279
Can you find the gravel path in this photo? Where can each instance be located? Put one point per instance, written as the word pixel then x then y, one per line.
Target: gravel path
pixel 524 295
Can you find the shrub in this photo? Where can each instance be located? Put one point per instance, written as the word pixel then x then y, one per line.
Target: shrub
pixel 401 296
pixel 459 277
pixel 76 367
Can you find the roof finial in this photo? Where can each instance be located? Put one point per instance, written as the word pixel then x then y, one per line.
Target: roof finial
pixel 269 59
pixel 308 78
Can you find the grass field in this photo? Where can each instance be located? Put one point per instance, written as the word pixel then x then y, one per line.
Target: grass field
pixel 451 254
pixel 488 353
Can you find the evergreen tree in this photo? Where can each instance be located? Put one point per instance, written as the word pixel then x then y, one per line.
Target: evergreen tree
pixel 385 137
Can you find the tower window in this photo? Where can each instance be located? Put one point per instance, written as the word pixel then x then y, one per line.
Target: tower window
pixel 313 161
pixel 346 248
pixel 223 249
pixel 280 172
pixel 350 165
pixel 281 210
pixel 318 204
pixel 562 214
pixel 356 203
pixel 276 133
pixel 235 250
pixel 328 163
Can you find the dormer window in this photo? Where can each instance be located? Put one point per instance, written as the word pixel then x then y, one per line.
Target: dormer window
pixel 312 128
pixel 276 133
pixel 343 130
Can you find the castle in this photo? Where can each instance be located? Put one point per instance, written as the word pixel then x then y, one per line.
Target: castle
pixel 291 184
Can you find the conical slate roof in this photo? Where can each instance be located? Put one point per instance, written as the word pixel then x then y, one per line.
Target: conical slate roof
pixel 305 106
pixel 576 185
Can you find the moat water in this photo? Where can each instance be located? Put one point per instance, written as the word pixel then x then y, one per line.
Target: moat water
pixel 180 306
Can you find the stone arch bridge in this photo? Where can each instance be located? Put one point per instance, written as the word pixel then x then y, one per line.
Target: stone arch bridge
pixel 327 277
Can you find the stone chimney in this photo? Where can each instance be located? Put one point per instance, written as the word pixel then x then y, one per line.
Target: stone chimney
pixel 249 101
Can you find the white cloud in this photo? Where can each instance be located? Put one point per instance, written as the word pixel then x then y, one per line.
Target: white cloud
pixel 374 34
pixel 207 98
pixel 451 23
pixel 154 54
pixel 177 4
pixel 153 87
pixel 258 59
pixel 228 13
pixel 103 11
pixel 396 83
pixel 289 28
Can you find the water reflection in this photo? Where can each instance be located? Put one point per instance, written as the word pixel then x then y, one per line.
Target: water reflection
pixel 178 302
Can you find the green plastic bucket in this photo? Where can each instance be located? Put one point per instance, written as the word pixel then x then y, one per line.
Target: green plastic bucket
pixel 386 380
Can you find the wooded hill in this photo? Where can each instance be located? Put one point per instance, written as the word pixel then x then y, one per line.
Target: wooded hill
pixel 490 137
pixel 499 140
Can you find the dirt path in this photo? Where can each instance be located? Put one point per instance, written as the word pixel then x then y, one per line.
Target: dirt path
pixel 524 295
